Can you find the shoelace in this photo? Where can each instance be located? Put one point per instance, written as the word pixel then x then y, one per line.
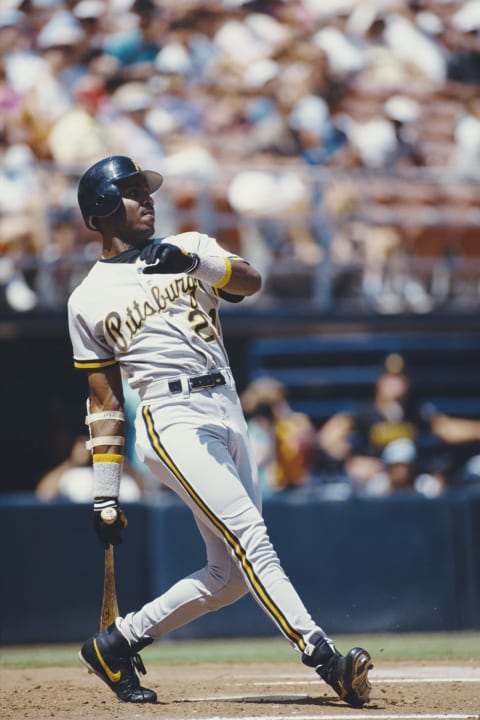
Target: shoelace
pixel 138 664
pixel 130 679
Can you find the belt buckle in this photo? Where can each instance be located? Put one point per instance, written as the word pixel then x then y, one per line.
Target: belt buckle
pixel 199 382
pixel 218 378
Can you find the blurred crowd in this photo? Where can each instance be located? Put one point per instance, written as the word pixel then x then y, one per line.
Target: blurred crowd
pixel 391 444
pixel 243 106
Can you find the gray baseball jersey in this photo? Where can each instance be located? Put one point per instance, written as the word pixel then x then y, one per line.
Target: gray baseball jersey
pixel 152 324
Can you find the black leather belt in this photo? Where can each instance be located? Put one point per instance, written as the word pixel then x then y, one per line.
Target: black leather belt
pixel 199 382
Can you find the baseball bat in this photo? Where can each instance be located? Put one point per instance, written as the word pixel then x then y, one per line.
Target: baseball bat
pixel 109 603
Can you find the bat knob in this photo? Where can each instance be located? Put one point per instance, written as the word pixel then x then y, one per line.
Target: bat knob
pixel 109 515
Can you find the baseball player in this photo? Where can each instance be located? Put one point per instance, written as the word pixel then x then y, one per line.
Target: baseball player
pixel 151 308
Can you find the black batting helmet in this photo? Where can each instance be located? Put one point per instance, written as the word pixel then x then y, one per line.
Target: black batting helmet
pixel 98 193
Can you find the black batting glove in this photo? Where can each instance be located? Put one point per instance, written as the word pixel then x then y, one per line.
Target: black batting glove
pixel 166 259
pixel 109 520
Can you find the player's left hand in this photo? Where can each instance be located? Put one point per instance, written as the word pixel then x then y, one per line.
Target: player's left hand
pixel 165 258
pixel 109 530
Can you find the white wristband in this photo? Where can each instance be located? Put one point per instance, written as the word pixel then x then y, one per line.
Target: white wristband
pixel 214 270
pixel 107 474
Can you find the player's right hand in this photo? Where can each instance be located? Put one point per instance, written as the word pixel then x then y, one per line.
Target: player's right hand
pixel 109 520
pixel 165 258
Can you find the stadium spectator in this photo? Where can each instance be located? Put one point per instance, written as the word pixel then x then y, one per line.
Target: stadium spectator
pixel 44 75
pixel 91 14
pixel 399 474
pixel 72 479
pixel 461 432
pixel 283 440
pixel 463 42
pixel 79 135
pixel 127 132
pixel 21 224
pixel 465 153
pixel 357 441
pixel 136 39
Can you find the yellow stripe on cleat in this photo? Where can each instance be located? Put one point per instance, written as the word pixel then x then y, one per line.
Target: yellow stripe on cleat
pixel 114 677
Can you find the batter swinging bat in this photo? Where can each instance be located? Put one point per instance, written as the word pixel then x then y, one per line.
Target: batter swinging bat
pixel 109 604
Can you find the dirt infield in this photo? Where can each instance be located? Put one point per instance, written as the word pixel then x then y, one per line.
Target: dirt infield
pixel 242 691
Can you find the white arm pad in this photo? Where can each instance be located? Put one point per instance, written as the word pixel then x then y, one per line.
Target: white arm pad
pixel 105 415
pixel 104 440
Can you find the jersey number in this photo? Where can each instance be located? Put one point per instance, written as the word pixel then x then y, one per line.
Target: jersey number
pixel 201 325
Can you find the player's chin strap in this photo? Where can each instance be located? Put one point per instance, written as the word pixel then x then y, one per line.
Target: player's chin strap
pixel 103 439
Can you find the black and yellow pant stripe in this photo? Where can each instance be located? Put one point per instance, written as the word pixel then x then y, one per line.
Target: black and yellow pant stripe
pixel 253 580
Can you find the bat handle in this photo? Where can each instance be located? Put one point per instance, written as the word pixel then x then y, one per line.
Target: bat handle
pixel 109 605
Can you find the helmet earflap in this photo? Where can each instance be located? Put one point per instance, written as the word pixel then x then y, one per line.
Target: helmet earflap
pixel 107 200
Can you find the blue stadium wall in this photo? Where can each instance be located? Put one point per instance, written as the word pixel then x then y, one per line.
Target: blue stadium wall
pixel 392 565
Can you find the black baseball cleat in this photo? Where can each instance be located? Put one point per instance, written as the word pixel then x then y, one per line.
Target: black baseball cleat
pixel 110 656
pixel 346 674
